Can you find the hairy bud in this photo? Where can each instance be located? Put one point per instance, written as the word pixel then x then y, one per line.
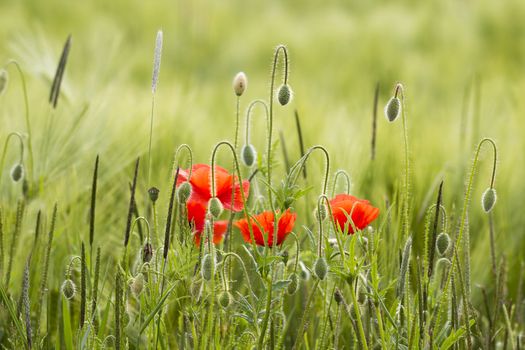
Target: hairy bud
pixel 293 286
pixel 68 289
pixel 285 94
pixel 392 109
pixel 215 207
pixel 488 199
pixel 208 267
pixel 248 155
pixel 184 192
pixel 240 83
pixel 321 268
pixel 225 299
pixel 17 172
pixel 153 194
pixel 442 243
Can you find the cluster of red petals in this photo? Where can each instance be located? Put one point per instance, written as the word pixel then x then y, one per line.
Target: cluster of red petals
pixel 345 206
pixel 265 221
pixel 197 204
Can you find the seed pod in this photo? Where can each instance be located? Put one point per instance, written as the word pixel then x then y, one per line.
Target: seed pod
pixel 215 207
pixel 137 285
pixel 293 286
pixel 147 253
pixel 321 268
pixel 3 80
pixel 208 267
pixel 392 109
pixel 225 299
pixel 68 289
pixel 442 243
pixel 248 155
pixel 285 94
pixel 240 83
pixel 17 172
pixel 488 199
pixel 184 192
pixel 153 193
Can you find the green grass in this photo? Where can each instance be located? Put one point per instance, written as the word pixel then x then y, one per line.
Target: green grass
pixel 461 66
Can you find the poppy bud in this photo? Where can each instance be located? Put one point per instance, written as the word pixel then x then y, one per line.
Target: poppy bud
pixel 305 274
pixel 184 192
pixel 293 285
pixel 320 212
pixel 248 155
pixel 443 262
pixel 17 172
pixel 153 194
pixel 3 80
pixel 147 253
pixel 284 256
pixel 208 267
pixel 225 299
pixel 137 285
pixel 285 94
pixel 392 109
pixel 215 207
pixel 240 82
pixel 321 268
pixel 68 289
pixel 488 199
pixel 442 243
pixel 338 296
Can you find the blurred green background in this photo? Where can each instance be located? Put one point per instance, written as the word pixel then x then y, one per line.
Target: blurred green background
pixel 448 54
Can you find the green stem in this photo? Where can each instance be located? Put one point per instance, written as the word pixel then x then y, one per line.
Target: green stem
pixel 150 135
pixel 4 152
pixel 358 318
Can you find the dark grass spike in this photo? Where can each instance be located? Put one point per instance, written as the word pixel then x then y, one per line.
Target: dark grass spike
pixel 26 303
pixel 45 270
pixel 285 151
pixel 432 246
pixel 170 213
pixel 94 292
pixel 93 205
pixel 1 245
pixel 137 214
pixel 118 306
pixel 300 135
pixel 131 204
pixel 57 81
pixel 83 294
pixel 18 223
pixel 374 123
pixel 37 230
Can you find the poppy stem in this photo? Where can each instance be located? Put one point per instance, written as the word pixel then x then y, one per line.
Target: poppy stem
pixel 347 178
pixel 177 154
pixel 6 144
pixel 296 168
pixel 248 118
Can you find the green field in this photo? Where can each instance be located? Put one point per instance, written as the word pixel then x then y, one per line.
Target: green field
pixel 460 64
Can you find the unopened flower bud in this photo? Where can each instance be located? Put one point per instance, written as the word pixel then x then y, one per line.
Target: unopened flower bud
pixel 137 285
pixel 68 289
pixel 153 194
pixel 3 80
pixel 184 192
pixel 442 243
pixel 284 256
pixel 147 253
pixel 392 109
pixel 488 199
pixel 208 267
pixel 225 299
pixel 240 83
pixel 17 172
pixel 320 212
pixel 215 207
pixel 285 94
pixel 293 286
pixel 248 155
pixel 338 296
pixel 321 268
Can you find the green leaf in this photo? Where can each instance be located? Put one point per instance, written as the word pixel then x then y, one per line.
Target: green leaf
pixel 66 321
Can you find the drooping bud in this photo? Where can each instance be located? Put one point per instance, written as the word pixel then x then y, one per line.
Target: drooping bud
pixel 248 155
pixel 321 268
pixel 320 212
pixel 208 267
pixel 3 80
pixel 338 296
pixel 288 202
pixel 137 285
pixel 153 194
pixel 305 274
pixel 225 299
pixel 68 289
pixel 215 207
pixel 184 192
pixel 293 286
pixel 285 94
pixel 488 199
pixel 392 109
pixel 17 172
pixel 442 243
pixel 240 83
pixel 284 256
pixel 147 252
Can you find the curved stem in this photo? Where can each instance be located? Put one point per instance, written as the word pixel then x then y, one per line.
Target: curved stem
pixel 347 178
pixel 190 155
pixel 406 209
pixel 297 245
pixel 319 219
pixel 248 118
pixel 4 153
pixel 246 275
pixel 26 103
pixel 296 168
pixel 70 265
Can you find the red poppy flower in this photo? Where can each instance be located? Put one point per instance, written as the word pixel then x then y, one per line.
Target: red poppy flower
pixel 360 210
pixel 224 183
pixel 197 217
pixel 265 220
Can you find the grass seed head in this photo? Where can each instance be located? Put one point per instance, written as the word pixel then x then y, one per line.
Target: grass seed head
pixel 488 199
pixel 240 83
pixel 392 109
